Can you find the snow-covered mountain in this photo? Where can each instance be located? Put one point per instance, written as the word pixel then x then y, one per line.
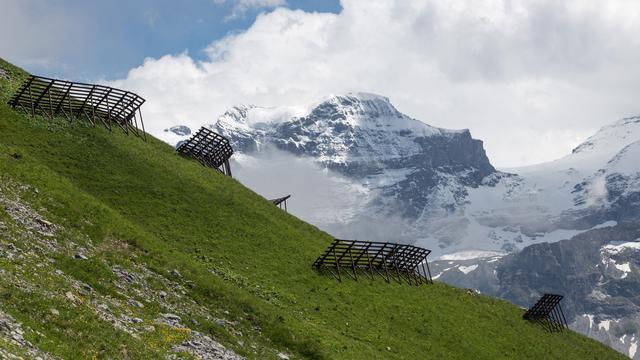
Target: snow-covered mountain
pixel 594 186
pixel 406 172
pixel 434 187
pixel 359 168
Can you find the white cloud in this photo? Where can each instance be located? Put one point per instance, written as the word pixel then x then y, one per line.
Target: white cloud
pixel 530 78
pixel 332 202
pixel 241 7
pixel 37 33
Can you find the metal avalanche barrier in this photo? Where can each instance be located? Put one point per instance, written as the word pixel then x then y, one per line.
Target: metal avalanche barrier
pixel 95 103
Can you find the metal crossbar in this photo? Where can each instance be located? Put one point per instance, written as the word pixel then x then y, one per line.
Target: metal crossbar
pixel 281 202
pixel 73 100
pixel 548 313
pixel 388 260
pixel 211 149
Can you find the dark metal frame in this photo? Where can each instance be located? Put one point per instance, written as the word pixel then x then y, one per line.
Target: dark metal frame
pixel 388 260
pixel 279 202
pixel 548 313
pixel 53 97
pixel 210 149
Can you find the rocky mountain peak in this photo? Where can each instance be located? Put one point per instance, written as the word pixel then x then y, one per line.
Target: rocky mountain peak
pixel 368 112
pixel 359 104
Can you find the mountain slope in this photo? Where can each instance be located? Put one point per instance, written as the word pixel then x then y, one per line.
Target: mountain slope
pixel 116 248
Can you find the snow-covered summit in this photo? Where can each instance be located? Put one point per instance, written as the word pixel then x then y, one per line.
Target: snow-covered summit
pixel 343 125
pixel 365 110
pixel 339 129
pixel 359 107
pixel 591 155
pixel 365 96
pixel 595 152
pixel 609 138
pixel 598 183
pixel 389 157
pixel 355 109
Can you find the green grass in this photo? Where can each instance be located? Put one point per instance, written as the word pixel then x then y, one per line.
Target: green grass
pixel 138 204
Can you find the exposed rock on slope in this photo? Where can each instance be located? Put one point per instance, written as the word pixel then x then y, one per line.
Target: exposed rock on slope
pixel 30 246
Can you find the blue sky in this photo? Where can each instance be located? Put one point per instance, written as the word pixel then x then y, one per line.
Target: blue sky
pixel 105 39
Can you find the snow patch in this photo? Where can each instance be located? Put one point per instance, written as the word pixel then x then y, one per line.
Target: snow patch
pixel 471 254
pixel 626 268
pixel 467 269
pixel 604 324
pixel 615 248
pixel 442 272
pixel 590 317
pixel 633 348
pixel 606 224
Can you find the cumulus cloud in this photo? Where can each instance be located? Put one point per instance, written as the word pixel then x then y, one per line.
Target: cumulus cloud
pixel 530 78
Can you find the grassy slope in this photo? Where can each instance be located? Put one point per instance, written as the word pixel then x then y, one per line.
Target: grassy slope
pixel 236 252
